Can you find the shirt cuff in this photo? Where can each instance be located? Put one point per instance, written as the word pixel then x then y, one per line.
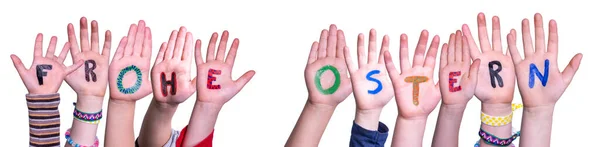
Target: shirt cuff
pixel 363 137
pixel 206 142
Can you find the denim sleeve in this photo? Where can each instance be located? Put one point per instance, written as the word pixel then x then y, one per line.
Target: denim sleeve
pixel 362 137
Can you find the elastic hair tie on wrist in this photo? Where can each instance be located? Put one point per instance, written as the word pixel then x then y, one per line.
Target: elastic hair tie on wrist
pixel 490 139
pixel 497 121
pixel 92 118
pixel 72 143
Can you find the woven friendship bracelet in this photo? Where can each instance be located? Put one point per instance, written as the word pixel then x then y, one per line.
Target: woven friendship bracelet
pixel 92 118
pixel 72 143
pixel 501 120
pixel 493 140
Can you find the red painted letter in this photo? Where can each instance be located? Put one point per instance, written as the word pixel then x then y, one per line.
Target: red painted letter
pixel 452 80
pixel 211 78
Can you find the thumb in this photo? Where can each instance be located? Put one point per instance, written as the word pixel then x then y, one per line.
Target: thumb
pixel 244 79
pixel 194 81
pixel 18 64
pixel 571 69
pixel 73 67
pixel 473 72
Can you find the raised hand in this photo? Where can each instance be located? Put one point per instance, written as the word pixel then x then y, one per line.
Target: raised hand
pixel 496 79
pixel 92 78
pixel 416 93
pixel 455 65
pixel 215 85
pixel 46 72
pixel 540 81
pixel 326 74
pixel 128 72
pixel 171 79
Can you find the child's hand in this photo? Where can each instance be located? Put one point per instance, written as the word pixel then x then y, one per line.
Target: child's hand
pixel 455 65
pixel 128 71
pixel 215 85
pixel 416 93
pixel 91 79
pixel 46 72
pixel 540 81
pixel 325 73
pixel 171 79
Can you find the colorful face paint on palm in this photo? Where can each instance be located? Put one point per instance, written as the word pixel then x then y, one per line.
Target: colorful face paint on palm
pixel 211 78
pixel 533 71
pixel 164 84
pixel 416 80
pixel 90 65
pixel 379 85
pixel 336 83
pixel 494 74
pixel 40 73
pixel 138 81
pixel 452 80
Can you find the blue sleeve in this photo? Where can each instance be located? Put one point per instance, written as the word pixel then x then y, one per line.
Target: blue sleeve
pixel 362 137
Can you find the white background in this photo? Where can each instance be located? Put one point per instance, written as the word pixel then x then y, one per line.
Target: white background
pixel 275 41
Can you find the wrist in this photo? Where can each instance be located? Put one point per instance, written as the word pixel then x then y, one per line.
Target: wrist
pixel 87 103
pixel 498 109
pixel 368 119
pixel 163 107
pixel 121 103
pixel 208 107
pixel 320 107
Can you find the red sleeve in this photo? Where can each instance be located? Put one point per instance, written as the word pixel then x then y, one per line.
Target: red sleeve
pixel 207 142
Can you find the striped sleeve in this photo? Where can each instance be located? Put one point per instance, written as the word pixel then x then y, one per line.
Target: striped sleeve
pixel 44 120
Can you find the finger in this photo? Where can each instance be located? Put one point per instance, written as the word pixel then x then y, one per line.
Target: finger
pixel 372 54
pixel 473 49
pixel 171 45
pixel 51 47
pixel 121 49
pixel 323 44
pixel 572 68
pixel 484 41
pixel 63 53
pixel 95 37
pixel 18 65
pixel 391 68
pixel 232 52
pixel 179 43
pixel 349 62
pixel 451 48
pixel 210 53
pixel 140 39
pixel 198 52
pixel 188 47
pixel 107 44
pixel 73 67
pixel 466 51
pixel 83 34
pixel 496 34
pixel 432 52
pixel 553 38
pixel 147 49
pixel 244 79
pixel 161 53
pixel 360 51
pixel 312 56
pixel 72 39
pixel 512 47
pixel 473 70
pixel 332 41
pixel 540 41
pixel 341 44
pixel 37 49
pixel 418 58
pixel 385 45
pixel 443 56
pixel 527 42
pixel 131 35
pixel 404 60
pixel 222 46
pixel 458 46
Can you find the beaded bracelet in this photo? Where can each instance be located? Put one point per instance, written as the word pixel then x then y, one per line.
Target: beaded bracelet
pixel 92 118
pixel 493 140
pixel 72 143
pixel 499 120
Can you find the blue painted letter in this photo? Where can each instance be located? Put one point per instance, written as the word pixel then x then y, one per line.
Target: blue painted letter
pixel 379 86
pixel 533 71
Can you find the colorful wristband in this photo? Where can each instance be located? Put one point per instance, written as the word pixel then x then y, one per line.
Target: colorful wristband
pixel 72 143
pixel 92 118
pixel 499 120
pixel 493 140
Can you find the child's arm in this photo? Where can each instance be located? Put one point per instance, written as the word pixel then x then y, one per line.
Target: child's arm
pixel 327 84
pixel 540 82
pixel 128 82
pixel 215 87
pixel 172 84
pixel 42 81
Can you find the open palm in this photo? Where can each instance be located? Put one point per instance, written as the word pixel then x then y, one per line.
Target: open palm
pixel 171 79
pixel 455 65
pixel 371 84
pixel 326 74
pixel 416 93
pixel 92 78
pixel 215 84
pixel 128 72
pixel 496 78
pixel 546 87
